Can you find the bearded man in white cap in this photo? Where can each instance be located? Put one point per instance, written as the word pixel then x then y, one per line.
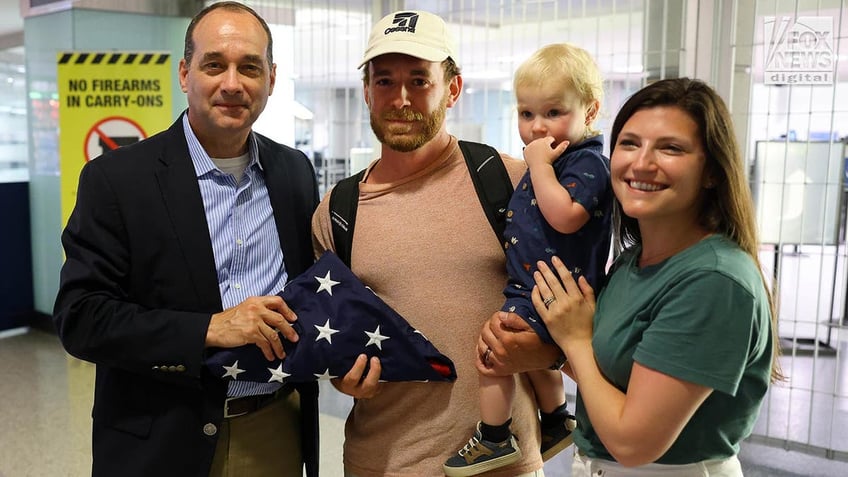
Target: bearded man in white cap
pixel 423 243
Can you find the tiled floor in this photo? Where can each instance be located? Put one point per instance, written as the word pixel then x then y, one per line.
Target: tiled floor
pixel 45 403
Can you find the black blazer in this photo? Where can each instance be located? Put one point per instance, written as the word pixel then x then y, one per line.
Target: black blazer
pixel 138 289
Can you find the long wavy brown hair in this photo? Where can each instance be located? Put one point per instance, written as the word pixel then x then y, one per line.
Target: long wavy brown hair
pixel 727 208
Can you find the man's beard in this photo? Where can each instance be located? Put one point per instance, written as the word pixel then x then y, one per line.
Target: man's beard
pixel 399 137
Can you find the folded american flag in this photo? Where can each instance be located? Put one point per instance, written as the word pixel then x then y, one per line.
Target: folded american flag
pixel 338 318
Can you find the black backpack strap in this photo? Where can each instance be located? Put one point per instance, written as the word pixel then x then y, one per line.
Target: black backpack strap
pixel 344 198
pixel 487 171
pixel 491 181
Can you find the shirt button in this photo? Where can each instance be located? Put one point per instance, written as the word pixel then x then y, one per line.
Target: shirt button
pixel 239 242
pixel 237 286
pixel 209 429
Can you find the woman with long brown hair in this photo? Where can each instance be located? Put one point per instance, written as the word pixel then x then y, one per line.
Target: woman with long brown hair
pixel 673 360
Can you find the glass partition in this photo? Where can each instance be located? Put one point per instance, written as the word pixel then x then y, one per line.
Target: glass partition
pixel 13 116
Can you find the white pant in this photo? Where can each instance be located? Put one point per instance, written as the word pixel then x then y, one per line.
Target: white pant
pixel 583 466
pixel 538 473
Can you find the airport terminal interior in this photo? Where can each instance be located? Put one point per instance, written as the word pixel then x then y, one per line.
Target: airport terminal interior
pixel 781 66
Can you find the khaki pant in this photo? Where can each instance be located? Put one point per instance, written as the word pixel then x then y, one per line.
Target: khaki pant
pixel 262 443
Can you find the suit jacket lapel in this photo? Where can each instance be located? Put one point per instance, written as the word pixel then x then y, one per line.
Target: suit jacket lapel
pixel 181 195
pixel 277 179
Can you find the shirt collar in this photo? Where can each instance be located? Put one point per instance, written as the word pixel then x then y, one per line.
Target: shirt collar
pixel 200 159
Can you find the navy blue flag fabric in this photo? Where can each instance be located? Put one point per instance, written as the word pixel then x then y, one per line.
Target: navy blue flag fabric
pixel 338 318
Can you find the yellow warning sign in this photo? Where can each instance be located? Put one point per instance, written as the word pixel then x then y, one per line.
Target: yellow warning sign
pixel 107 100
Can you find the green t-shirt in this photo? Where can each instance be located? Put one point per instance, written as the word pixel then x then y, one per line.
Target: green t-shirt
pixel 701 316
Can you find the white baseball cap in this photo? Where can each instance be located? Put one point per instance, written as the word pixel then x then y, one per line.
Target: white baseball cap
pixel 414 33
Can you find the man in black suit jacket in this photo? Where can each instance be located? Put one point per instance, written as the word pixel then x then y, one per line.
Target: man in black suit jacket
pixel 147 289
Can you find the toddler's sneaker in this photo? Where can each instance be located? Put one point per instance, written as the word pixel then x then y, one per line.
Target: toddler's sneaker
pixel 557 438
pixel 480 456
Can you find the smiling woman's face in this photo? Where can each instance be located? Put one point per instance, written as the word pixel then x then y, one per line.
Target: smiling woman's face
pixel 658 167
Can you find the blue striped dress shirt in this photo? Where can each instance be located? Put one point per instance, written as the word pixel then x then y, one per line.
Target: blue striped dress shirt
pixel 241 223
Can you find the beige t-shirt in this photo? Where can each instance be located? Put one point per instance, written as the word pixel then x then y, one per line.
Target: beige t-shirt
pixel 425 247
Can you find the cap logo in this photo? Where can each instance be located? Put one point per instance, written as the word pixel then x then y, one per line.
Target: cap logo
pixel 405 21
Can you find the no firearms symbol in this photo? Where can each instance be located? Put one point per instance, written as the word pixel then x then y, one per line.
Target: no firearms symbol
pixel 111 133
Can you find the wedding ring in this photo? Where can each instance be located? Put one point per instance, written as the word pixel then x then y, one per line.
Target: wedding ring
pixel 549 300
pixel 486 355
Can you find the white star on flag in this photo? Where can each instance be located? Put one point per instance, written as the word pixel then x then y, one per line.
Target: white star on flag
pixel 375 338
pixel 326 284
pixel 326 376
pixel 325 332
pixel 232 371
pixel 278 374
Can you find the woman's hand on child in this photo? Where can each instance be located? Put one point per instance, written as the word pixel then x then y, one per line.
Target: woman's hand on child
pixel 567 307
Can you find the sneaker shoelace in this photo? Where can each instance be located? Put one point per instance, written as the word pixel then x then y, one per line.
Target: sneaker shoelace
pixel 472 444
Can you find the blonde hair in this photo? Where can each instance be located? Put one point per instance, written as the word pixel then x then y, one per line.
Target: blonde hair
pixel 562 67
